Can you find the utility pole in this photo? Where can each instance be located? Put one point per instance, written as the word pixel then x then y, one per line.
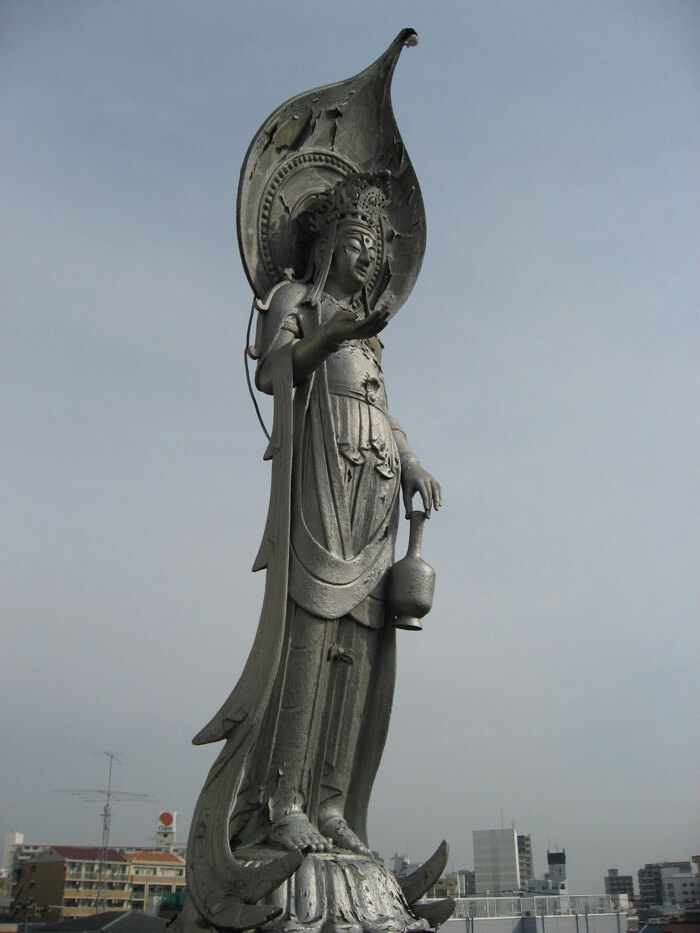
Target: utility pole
pixel 101 896
pixel 108 795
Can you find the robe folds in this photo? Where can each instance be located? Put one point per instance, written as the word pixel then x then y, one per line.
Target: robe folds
pixel 327 547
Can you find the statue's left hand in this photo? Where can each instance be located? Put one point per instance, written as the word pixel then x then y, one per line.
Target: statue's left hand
pixel 414 479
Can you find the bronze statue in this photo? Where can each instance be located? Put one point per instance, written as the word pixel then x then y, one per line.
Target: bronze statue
pixel 332 234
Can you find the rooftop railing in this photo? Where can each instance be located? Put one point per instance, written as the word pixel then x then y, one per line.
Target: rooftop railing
pixel 547 905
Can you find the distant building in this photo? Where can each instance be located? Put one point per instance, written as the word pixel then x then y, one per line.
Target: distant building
pixel 73 881
pixel 525 860
pixel 651 891
pixel 539 886
pixel 153 876
pixel 680 888
pixel 556 874
pixel 5 888
pixel 401 866
pixel 616 884
pixel 16 851
pixel 67 881
pixel 496 864
pixel 12 840
pixel 446 886
pixel 454 884
pixel 21 851
pixel 467 882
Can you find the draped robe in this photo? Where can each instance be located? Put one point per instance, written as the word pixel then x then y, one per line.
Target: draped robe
pixel 327 547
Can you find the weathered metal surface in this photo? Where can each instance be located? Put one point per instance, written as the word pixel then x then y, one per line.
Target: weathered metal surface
pixel 435 912
pixel 415 885
pixel 343 891
pixel 311 142
pixel 411 581
pixel 332 234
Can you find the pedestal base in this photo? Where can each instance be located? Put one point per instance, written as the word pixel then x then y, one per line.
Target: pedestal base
pixel 341 892
pixel 330 892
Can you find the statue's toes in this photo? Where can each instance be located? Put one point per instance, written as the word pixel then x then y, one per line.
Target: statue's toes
pixel 311 842
pixel 343 837
pixel 322 844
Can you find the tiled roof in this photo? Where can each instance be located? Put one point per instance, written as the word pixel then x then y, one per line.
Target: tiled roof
pixel 93 922
pixel 169 857
pixel 115 921
pixel 87 853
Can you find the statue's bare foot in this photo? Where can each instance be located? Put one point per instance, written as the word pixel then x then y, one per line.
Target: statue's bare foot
pixel 295 831
pixel 337 829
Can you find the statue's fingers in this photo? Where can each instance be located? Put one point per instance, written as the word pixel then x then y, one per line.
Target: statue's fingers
pixel 426 494
pixel 363 328
pixel 407 497
pixel 371 325
pixel 437 494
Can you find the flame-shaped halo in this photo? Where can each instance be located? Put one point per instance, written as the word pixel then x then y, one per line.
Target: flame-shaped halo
pixel 305 147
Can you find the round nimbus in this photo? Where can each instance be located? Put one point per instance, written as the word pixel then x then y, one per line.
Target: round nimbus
pixel 288 196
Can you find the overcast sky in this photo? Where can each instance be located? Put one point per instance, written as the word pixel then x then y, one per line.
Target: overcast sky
pixel 545 369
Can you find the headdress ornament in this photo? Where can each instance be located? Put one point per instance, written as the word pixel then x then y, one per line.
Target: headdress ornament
pixel 360 198
pixel 329 154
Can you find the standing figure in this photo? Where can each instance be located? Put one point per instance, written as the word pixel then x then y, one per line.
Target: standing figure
pixel 332 237
pixel 350 460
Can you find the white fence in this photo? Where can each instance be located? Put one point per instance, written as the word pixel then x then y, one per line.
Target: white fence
pixel 536 906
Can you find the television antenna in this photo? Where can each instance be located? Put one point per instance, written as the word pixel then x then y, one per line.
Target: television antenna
pixel 92 795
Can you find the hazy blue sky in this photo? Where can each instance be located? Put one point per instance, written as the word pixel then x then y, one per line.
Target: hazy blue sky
pixel 545 368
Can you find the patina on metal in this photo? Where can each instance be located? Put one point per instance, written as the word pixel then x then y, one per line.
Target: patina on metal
pixel 331 229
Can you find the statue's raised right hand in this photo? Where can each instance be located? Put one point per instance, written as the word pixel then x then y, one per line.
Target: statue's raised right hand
pixel 345 326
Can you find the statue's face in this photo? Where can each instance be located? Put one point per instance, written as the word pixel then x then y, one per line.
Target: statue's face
pixel 354 257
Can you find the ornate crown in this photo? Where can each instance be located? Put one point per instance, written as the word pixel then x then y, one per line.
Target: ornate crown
pixel 359 197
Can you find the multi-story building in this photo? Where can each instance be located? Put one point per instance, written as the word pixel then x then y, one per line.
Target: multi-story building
pixel 467 882
pixel 651 889
pixel 402 866
pixel 496 861
pixel 75 881
pixel 525 860
pixel 680 888
pixel 152 876
pixel 16 851
pixel 615 883
pixel 454 884
pixel 556 873
pixel 12 840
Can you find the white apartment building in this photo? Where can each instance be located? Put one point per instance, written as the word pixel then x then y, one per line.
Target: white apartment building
pixel 496 864
pixel 680 888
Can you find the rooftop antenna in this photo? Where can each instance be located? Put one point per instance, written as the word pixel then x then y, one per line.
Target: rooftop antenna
pixel 91 795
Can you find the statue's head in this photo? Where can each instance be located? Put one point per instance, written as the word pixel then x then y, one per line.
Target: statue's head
pixel 343 227
pixel 354 256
